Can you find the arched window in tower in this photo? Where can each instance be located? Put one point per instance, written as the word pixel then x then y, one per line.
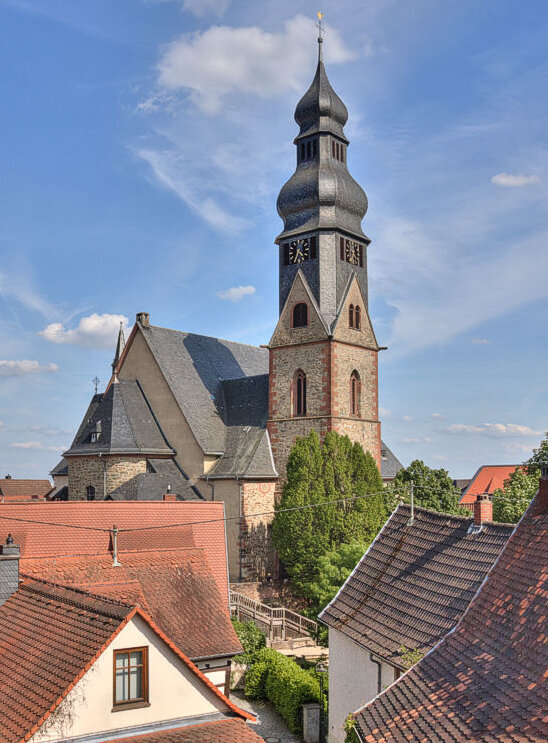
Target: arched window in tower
pixel 357 317
pixel 355 385
pixel 299 393
pixel 351 316
pixel 90 492
pixel 300 315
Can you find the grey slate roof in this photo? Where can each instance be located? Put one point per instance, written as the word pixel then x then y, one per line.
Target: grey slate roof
pixel 415 582
pixel 127 425
pixel 390 464
pixel 154 485
pixel 61 468
pixel 221 388
pixel 321 194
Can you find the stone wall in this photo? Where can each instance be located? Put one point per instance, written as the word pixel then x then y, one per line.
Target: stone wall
pixel 84 471
pixel 257 554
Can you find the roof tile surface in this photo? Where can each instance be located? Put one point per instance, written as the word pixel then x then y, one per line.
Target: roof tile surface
pixel 415 581
pixel 486 480
pixel 486 681
pixel 13 490
pixel 222 731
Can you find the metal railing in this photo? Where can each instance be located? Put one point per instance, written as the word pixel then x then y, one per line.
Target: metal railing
pixel 277 622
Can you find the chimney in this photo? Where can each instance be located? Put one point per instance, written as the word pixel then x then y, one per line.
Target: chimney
pixel 9 569
pixel 483 509
pixel 542 497
pixel 170 497
pixel 143 318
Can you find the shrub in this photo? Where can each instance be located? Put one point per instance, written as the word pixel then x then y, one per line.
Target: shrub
pixel 251 638
pixel 280 680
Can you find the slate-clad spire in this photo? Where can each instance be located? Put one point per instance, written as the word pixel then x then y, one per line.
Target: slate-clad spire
pixel 321 194
pixel 120 345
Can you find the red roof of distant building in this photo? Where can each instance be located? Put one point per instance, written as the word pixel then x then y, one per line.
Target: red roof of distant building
pixel 23 490
pixel 51 635
pixel 175 586
pixel 486 681
pixel 63 528
pixel 487 479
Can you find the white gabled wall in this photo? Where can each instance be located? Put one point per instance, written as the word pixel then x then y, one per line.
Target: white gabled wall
pixel 174 691
pixel 353 680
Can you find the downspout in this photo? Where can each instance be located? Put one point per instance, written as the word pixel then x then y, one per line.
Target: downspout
pixel 240 574
pixel 104 475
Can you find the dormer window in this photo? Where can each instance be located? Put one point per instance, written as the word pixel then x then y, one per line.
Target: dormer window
pixel 95 433
pixel 130 677
pixel 300 315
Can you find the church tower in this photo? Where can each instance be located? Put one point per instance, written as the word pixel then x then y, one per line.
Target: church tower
pixel 323 353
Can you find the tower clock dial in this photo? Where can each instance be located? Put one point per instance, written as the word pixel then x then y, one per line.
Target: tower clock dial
pixel 299 250
pixel 352 252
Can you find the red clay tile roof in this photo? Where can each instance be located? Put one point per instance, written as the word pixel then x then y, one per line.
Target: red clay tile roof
pixel 486 681
pixel 486 480
pixel 20 490
pixel 42 539
pixel 49 637
pixel 175 586
pixel 222 731
pixel 415 581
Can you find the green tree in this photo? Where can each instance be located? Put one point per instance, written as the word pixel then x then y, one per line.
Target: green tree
pixel 431 488
pixel 333 569
pixel 325 473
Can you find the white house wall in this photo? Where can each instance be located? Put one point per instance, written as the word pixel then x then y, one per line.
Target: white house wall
pixel 174 692
pixel 353 681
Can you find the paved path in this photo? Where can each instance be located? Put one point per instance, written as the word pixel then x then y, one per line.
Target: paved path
pixel 270 725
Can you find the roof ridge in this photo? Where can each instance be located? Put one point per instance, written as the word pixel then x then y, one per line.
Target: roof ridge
pixel 201 335
pixel 444 514
pixel 30 585
pixel 108 553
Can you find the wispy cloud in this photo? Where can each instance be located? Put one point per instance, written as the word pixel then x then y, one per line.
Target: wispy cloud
pixel 481 341
pixel 23 367
pixel 200 8
pixel 514 181
pixel 95 331
pixel 224 60
pixel 437 416
pixel 235 293
pixel 16 284
pixel 493 429
pixel 37 445
pixel 40 429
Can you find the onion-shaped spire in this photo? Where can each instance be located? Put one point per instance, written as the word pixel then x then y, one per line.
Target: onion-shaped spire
pixel 321 194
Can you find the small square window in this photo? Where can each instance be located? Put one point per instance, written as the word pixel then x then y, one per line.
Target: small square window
pixel 130 676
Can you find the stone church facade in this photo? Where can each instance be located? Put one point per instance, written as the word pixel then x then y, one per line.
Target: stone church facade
pixel 189 416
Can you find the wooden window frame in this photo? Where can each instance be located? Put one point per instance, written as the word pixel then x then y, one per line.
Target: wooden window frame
pixel 129 703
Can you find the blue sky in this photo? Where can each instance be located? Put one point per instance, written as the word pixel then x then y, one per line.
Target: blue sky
pixel 143 144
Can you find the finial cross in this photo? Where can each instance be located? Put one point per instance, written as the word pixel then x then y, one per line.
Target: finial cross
pixel 96 381
pixel 319 24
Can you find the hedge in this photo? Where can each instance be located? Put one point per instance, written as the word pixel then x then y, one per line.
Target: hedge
pixel 250 636
pixel 278 679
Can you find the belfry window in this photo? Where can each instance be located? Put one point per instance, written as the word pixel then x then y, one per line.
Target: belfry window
pixel 351 316
pixel 300 315
pixel 354 393
pixel 337 150
pixel 299 393
pixel 308 150
pixel 357 317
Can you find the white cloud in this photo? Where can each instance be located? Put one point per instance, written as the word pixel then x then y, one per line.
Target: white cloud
pixel 235 293
pixel 40 429
pixel 224 60
pixel 17 284
pixel 36 445
pixel 437 416
pixel 20 368
pixel 384 412
pixel 480 341
pixel 201 8
pixel 493 429
pixel 514 181
pixel 425 440
pixel 168 166
pixel 407 418
pixel 95 331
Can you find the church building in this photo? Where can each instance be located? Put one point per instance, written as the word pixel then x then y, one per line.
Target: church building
pixel 190 416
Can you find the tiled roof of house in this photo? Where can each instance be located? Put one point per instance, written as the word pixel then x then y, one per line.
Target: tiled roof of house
pixel 50 636
pixel 486 681
pixel 124 423
pixel 38 528
pixel 486 480
pixel 221 731
pixel 209 378
pixel 14 490
pixel 415 581
pixel 175 586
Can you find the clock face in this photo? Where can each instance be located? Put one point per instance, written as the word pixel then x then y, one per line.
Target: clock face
pixel 299 250
pixel 352 252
